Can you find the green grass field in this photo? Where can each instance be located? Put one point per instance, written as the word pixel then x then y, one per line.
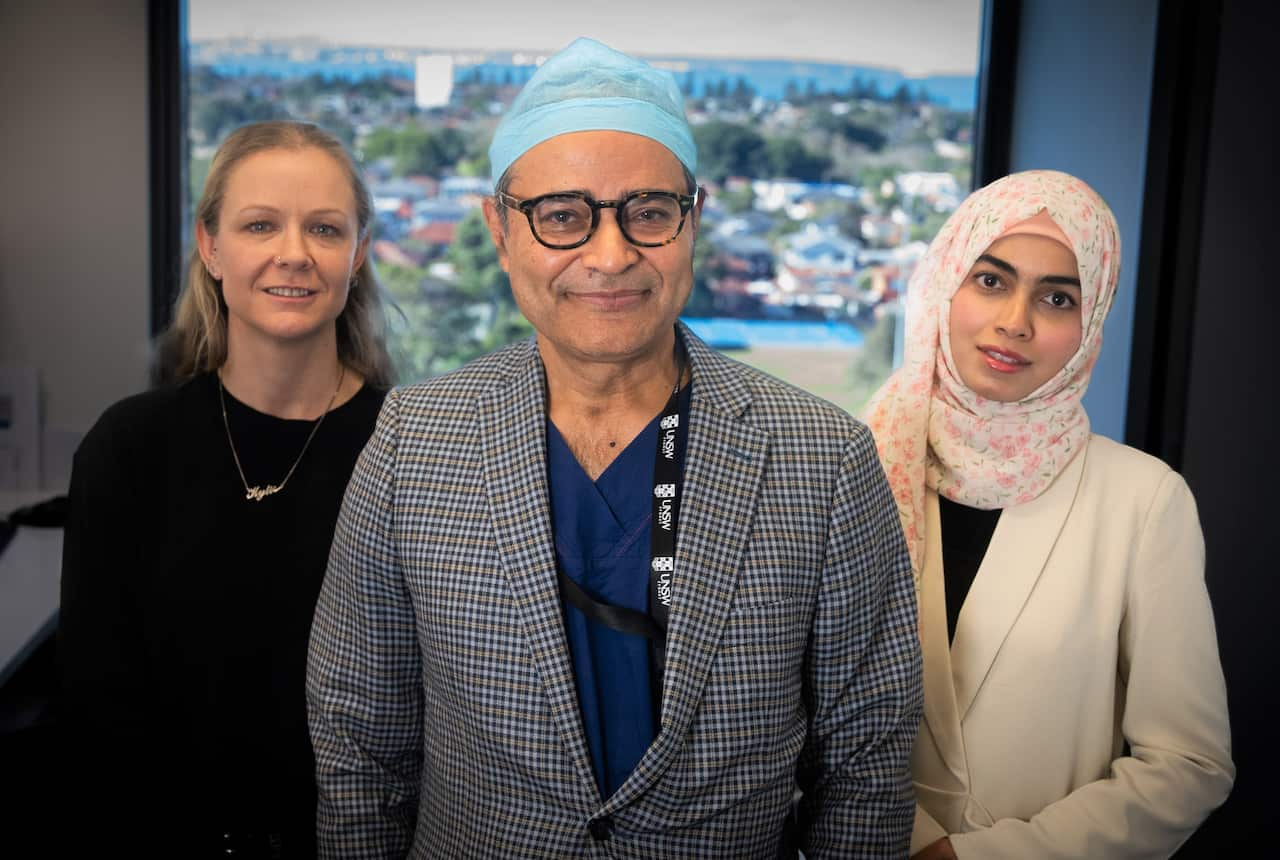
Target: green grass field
pixel 825 372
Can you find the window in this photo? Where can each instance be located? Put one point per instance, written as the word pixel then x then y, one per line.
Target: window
pixel 832 144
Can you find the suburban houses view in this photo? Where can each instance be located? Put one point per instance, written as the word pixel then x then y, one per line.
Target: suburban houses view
pixel 824 184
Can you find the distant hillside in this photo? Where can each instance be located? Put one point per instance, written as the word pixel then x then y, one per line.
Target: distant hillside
pixel 769 78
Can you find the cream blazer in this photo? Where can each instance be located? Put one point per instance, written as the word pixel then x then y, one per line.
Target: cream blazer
pixel 1087 627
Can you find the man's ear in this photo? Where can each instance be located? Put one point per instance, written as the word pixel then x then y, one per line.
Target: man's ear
pixel 208 253
pixel 497 232
pixel 700 195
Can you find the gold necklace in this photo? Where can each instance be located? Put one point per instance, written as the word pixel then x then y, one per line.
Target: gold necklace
pixel 256 493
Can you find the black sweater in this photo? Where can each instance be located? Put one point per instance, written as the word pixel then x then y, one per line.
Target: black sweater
pixel 186 611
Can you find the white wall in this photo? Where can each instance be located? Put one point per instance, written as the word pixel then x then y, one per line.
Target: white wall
pixel 74 232
pixel 1082 105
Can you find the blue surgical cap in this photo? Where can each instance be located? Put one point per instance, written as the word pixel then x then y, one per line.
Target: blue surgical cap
pixel 591 87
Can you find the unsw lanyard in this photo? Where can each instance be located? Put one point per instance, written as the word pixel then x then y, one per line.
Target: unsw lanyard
pixel 667 485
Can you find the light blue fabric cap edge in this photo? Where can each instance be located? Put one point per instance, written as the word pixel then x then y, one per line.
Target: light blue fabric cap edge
pixel 521 134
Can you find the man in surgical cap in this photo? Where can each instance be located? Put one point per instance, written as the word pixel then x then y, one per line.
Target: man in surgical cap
pixel 606 593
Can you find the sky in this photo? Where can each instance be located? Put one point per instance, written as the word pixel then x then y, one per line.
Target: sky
pixel 918 37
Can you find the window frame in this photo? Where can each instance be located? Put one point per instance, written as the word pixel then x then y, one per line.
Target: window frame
pixel 167 152
pixel 167 67
pixel 1182 93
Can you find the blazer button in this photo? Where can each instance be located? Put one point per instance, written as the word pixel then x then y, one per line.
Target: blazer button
pixel 601 829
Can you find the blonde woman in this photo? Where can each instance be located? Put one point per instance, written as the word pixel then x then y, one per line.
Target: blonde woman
pixel 202 512
pixel 1074 700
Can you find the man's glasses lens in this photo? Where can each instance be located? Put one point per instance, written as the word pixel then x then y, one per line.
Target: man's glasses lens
pixel 646 218
pixel 561 220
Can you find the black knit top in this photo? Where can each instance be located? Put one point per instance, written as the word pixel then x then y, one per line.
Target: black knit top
pixel 186 611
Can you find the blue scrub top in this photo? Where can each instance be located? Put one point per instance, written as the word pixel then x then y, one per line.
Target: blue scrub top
pixel 602 543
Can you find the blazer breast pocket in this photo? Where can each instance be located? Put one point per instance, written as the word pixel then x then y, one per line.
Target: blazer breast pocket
pixel 749 725
pixel 773 620
pixel 754 687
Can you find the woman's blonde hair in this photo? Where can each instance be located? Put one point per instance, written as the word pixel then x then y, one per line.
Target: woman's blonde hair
pixel 196 342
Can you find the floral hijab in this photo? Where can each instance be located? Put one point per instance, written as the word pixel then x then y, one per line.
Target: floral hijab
pixel 930 428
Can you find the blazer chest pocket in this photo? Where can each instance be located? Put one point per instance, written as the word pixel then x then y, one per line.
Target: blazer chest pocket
pixel 772 621
pixel 751 704
pixel 761 654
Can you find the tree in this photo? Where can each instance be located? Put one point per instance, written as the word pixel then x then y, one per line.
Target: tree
pixel 874 362
pixel 417 150
pixel 849 219
pixel 737 201
pixel 308 87
pixel 788 157
pixel 216 117
pixel 439 325
pixel 197 172
pixel 474 165
pixel 928 227
pixel 851 131
pixel 481 281
pixel 871 138
pixel 702 302
pixel 743 94
pixel 864 88
pixel 873 176
pixel 476 94
pixel 428 333
pixel 379 143
pixel 728 149
pixel 341 128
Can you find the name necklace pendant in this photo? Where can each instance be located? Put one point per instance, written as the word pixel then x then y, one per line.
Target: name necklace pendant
pixel 258 493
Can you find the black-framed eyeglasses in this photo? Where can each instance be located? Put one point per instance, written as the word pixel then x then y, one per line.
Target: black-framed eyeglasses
pixel 567 219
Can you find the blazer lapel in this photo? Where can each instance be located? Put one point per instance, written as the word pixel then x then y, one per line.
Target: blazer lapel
pixel 724 465
pixel 512 426
pixel 1020 546
pixel 941 713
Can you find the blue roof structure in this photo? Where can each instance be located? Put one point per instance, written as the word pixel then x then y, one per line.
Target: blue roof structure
pixel 727 333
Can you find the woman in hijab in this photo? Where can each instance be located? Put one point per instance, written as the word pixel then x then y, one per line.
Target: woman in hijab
pixel 1074 701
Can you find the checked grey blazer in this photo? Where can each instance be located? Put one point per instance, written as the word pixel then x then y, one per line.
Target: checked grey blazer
pixel 441 697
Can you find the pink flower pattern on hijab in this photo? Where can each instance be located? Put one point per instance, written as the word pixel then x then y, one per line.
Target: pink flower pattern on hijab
pixel 933 430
